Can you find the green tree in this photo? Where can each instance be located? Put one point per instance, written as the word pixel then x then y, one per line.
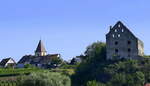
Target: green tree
pixel 56 61
pixel 125 73
pixel 92 64
pixel 116 72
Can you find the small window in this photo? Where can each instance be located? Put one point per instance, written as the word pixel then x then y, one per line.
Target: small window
pixel 129 50
pixel 116 42
pixel 116 50
pixel 113 35
pixel 122 30
pixel 118 35
pixel 129 42
pixel 115 30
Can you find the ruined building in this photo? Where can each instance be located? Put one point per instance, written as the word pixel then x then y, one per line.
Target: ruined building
pixel 122 43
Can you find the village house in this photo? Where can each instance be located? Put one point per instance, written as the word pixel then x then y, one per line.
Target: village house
pixel 41 59
pixel 8 62
pixel 122 43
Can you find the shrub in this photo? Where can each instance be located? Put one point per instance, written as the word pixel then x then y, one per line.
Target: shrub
pixel 45 79
pixel 94 83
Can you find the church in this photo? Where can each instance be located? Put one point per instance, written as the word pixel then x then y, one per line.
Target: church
pixel 122 43
pixel 41 59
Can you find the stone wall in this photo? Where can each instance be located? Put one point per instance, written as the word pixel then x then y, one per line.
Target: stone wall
pixel 121 43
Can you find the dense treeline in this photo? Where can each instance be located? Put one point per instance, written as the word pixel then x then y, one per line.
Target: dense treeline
pixel 95 70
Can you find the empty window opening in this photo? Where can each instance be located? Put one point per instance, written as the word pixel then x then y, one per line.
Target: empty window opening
pixel 122 30
pixel 115 30
pixel 118 35
pixel 113 35
pixel 129 50
pixel 116 50
pixel 129 42
pixel 118 25
pixel 116 42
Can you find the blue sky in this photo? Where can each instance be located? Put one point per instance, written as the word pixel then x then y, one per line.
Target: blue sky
pixel 67 26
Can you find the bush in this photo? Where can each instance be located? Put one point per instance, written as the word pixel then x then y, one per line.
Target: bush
pixel 45 79
pixel 94 83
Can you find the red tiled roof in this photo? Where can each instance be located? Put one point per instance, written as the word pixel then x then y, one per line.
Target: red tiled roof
pixel 148 84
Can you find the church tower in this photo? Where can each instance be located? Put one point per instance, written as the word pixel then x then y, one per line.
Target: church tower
pixel 40 50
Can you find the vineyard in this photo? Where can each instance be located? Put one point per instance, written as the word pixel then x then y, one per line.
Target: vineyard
pixel 21 77
pixel 9 83
pixel 9 77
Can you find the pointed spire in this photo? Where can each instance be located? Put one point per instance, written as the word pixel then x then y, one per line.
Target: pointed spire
pixel 40 50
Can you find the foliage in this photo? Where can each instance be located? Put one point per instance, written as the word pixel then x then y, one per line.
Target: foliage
pixel 45 79
pixel 29 66
pixel 68 66
pixel 8 83
pixel 19 71
pixel 75 61
pixel 146 56
pixel 97 49
pixel 94 83
pixel 91 64
pixel 116 72
pixel 67 72
pixel 56 62
pixel 94 70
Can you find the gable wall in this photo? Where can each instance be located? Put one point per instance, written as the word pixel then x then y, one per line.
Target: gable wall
pixel 121 35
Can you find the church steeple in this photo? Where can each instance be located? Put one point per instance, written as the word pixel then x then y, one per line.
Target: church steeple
pixel 40 50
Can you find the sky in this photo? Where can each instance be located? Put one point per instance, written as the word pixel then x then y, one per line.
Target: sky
pixel 67 26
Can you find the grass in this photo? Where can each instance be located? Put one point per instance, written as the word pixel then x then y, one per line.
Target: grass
pixel 13 72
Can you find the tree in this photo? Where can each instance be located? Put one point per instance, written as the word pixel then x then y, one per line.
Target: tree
pixel 125 73
pixel 91 65
pixel 118 72
pixel 56 61
pixel 96 51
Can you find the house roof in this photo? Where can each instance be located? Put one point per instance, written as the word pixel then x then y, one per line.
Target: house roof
pixel 37 59
pixel 26 58
pixel 4 61
pixel 148 84
pixel 44 59
pixel 40 47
